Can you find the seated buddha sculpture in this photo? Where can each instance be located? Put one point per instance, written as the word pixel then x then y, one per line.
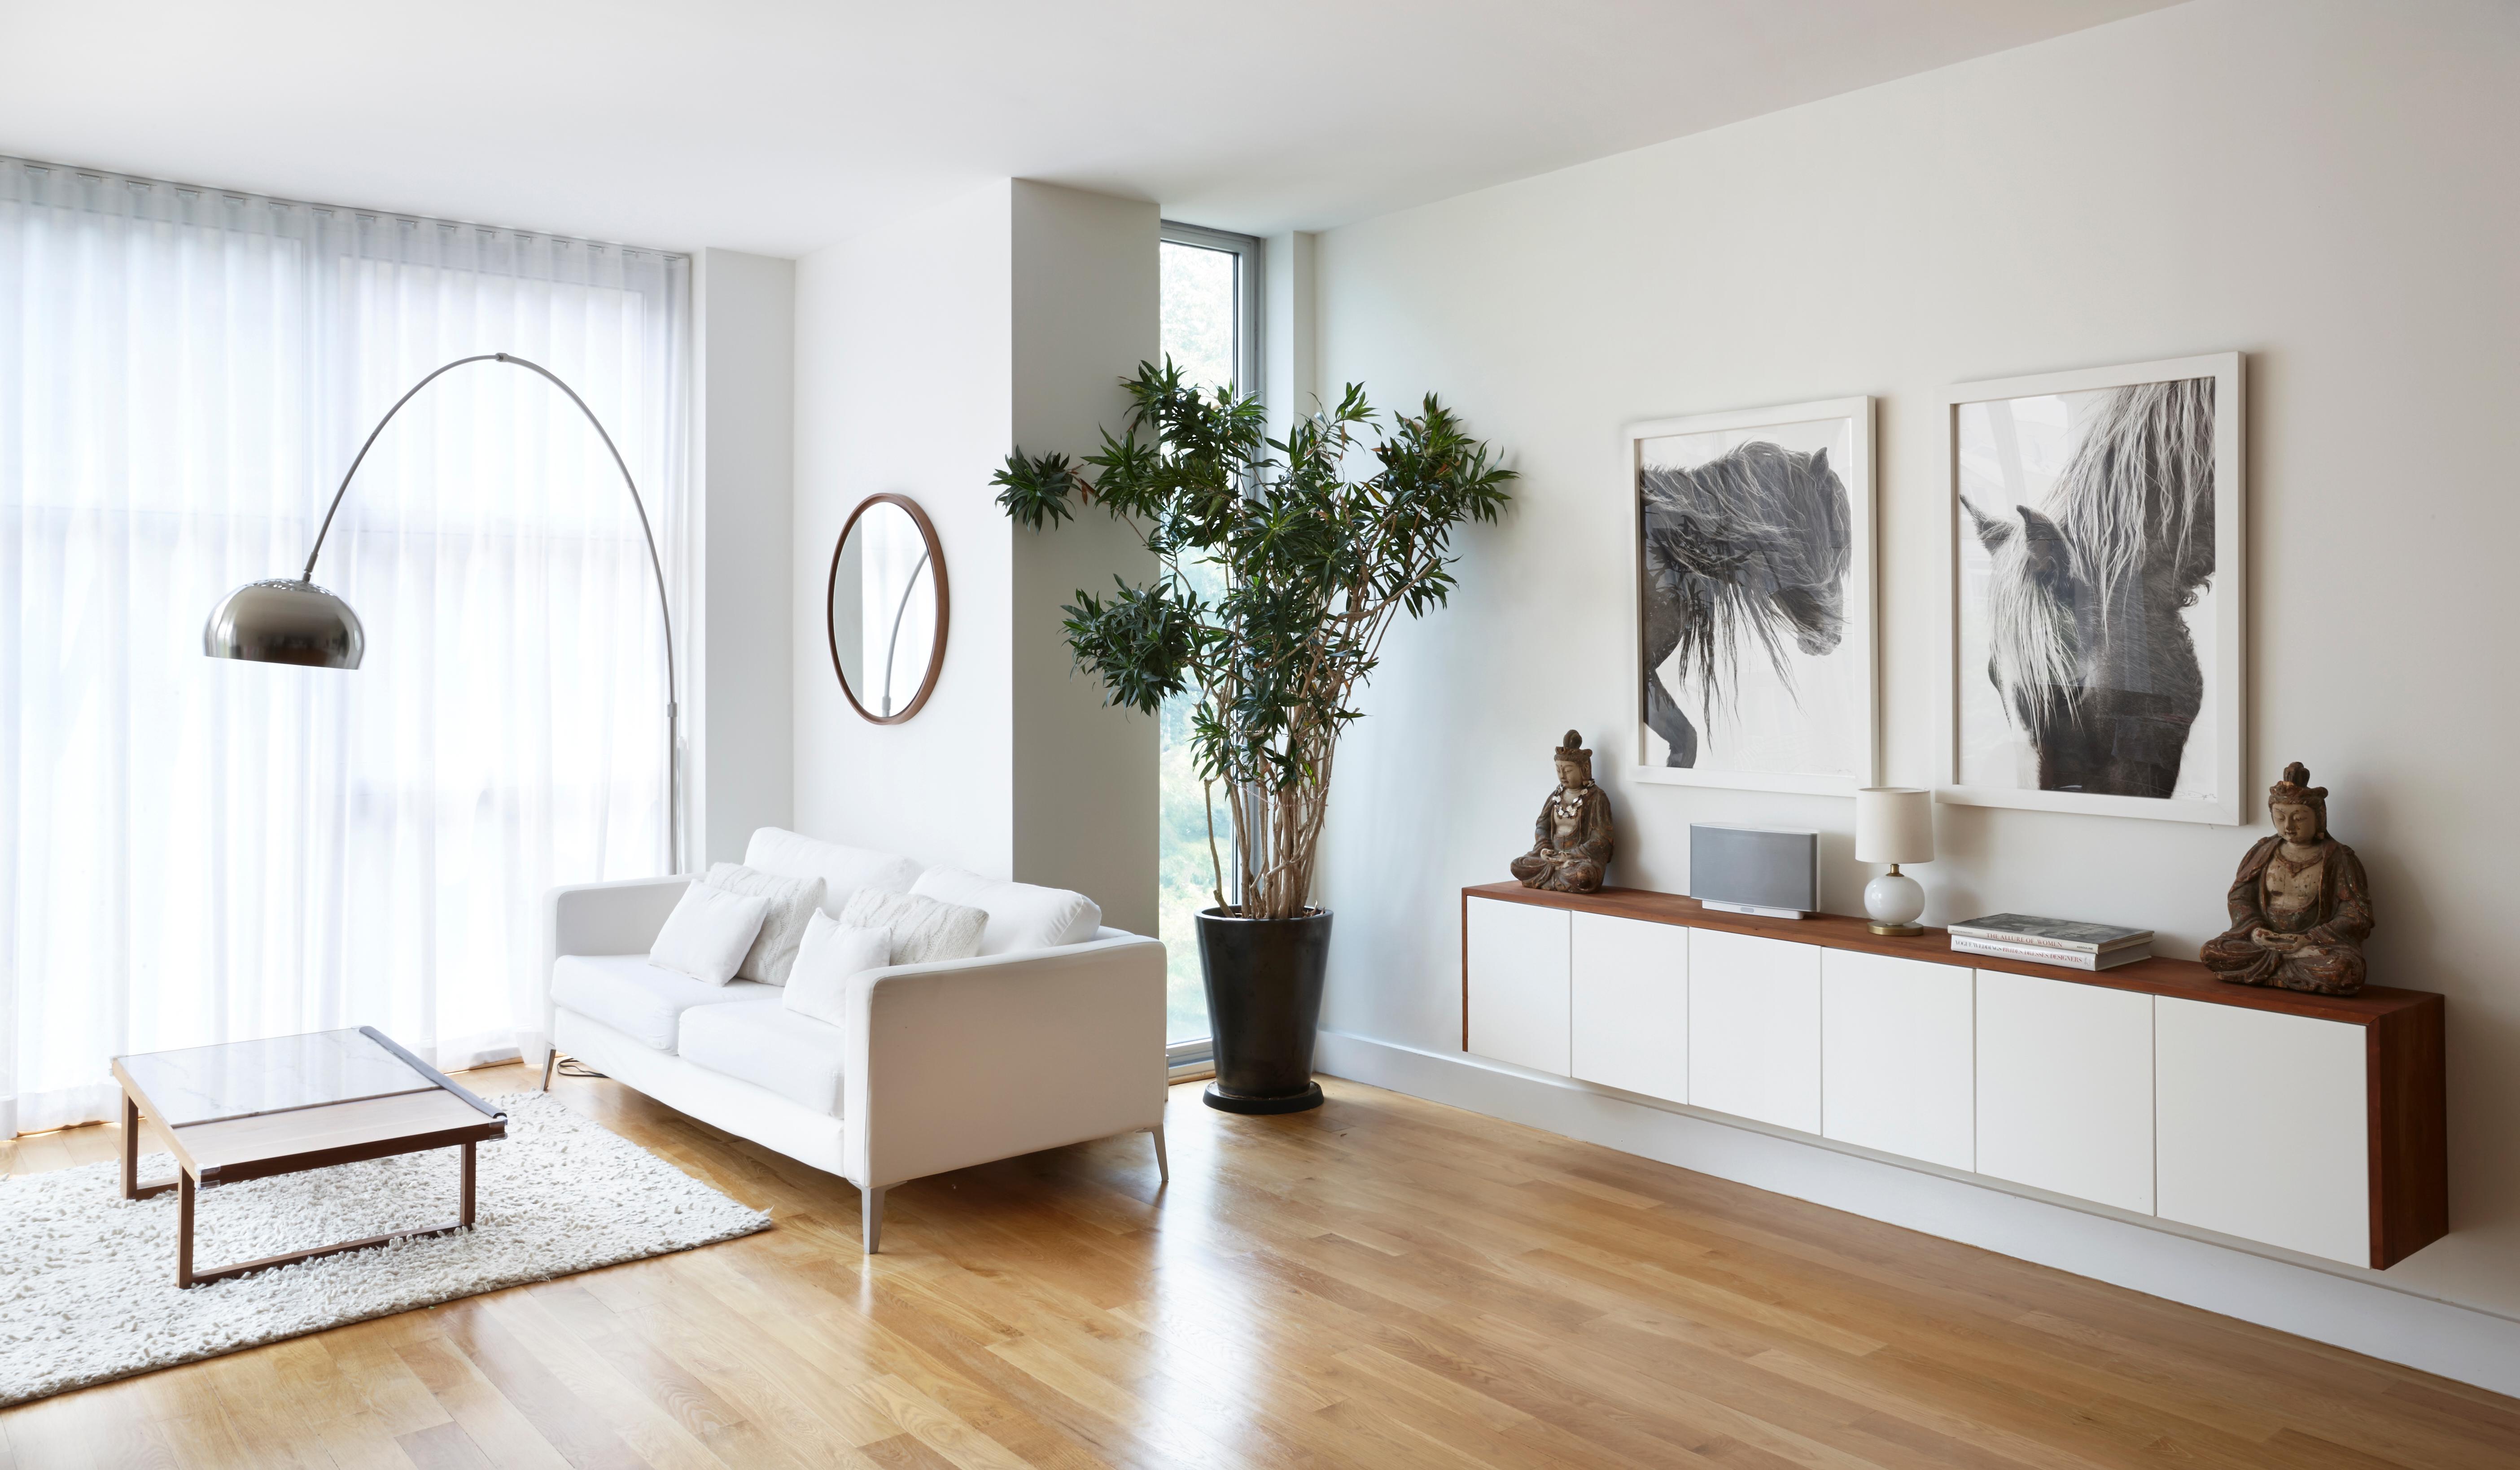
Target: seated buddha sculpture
pixel 1570 843
pixel 2301 906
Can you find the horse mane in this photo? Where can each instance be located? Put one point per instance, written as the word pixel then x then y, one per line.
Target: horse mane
pixel 1730 533
pixel 2142 484
pixel 2138 486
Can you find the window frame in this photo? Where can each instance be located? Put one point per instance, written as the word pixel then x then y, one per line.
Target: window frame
pixel 1193 1057
pixel 1250 281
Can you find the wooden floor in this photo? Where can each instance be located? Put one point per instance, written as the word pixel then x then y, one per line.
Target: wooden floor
pixel 1383 1281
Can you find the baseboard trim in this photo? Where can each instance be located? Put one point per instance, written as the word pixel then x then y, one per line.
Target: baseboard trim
pixel 2328 1304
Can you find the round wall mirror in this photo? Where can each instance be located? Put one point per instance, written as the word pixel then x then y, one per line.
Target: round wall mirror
pixel 887 608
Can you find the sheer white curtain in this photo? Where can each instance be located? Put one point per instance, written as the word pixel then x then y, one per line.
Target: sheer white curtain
pixel 197 850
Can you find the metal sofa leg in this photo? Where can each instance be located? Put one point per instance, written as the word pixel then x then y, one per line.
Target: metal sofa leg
pixel 1163 1165
pixel 871 1218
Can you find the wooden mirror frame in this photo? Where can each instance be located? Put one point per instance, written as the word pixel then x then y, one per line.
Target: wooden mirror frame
pixel 944 608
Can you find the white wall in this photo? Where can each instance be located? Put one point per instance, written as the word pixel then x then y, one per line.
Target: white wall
pixel 742 744
pixel 2327 186
pixel 903 383
pixel 1086 312
pixel 925 351
pixel 1291 335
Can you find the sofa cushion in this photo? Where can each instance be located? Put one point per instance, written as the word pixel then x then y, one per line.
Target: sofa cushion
pixel 783 928
pixel 844 871
pixel 923 929
pixel 832 954
pixel 642 1001
pixel 767 1044
pixel 1022 915
pixel 709 932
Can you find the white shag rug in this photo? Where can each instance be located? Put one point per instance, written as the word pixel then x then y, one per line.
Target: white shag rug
pixel 87 1280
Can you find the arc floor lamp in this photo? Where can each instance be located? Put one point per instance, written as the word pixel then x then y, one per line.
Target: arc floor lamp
pixel 291 620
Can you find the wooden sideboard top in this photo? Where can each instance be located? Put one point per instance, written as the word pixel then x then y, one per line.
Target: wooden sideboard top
pixel 2182 979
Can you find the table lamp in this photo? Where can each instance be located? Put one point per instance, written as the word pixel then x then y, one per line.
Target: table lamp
pixel 1894 825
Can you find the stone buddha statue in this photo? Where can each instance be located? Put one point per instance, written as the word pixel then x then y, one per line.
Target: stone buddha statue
pixel 2301 906
pixel 1570 843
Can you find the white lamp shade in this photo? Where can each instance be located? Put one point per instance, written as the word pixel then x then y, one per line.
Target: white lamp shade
pixel 1894 825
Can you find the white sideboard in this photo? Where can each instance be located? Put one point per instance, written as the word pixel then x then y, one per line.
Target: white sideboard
pixel 2307 1121
pixel 1521 995
pixel 2064 1086
pixel 1630 1004
pixel 1898 1040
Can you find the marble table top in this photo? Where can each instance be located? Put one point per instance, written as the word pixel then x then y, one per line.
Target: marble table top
pixel 243 1079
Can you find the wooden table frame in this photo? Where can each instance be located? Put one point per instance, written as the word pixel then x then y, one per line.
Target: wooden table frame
pixel 231 1150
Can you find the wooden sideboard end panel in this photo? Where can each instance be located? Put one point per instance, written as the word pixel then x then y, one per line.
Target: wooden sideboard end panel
pixel 2407 1073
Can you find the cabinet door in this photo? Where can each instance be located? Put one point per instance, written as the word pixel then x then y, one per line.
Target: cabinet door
pixel 2265 1127
pixel 1754 1028
pixel 1631 1015
pixel 1515 955
pixel 2064 1087
pixel 1898 1062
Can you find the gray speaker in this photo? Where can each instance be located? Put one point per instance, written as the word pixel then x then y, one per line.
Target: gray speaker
pixel 1769 871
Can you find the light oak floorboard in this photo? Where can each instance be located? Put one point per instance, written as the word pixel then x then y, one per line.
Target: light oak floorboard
pixel 1384 1282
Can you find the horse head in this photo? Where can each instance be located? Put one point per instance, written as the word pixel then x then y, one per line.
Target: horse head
pixel 2086 638
pixel 1810 560
pixel 1751 548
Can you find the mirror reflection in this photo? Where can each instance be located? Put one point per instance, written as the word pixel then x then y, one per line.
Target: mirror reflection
pixel 887 604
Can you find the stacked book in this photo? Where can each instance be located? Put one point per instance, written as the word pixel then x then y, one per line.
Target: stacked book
pixel 2052 941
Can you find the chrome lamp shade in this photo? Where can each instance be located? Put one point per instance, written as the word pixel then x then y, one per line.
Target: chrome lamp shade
pixel 285 620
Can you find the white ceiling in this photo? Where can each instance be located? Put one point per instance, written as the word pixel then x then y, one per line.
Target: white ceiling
pixel 782 125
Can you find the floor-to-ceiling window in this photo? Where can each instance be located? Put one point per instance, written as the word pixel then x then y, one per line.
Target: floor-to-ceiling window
pixel 197 850
pixel 1211 293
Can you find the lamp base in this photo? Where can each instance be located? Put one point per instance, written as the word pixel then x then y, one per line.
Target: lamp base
pixel 1901 930
pixel 1894 902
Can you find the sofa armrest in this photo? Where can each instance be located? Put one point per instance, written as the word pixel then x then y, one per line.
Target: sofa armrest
pixel 609 919
pixel 963 1062
pixel 619 918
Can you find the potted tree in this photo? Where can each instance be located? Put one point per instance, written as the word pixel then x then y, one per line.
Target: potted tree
pixel 1315 565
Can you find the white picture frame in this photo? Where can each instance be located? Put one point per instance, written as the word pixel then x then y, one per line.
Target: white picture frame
pixel 1966 755
pixel 1847 731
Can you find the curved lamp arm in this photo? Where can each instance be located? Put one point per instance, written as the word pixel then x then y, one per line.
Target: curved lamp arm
pixel 892 645
pixel 655 565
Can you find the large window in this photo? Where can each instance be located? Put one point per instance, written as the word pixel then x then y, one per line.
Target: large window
pixel 196 850
pixel 1211 300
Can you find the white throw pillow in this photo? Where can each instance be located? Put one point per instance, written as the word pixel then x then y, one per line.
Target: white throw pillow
pixel 922 928
pixel 708 933
pixel 843 869
pixel 773 949
pixel 830 953
pixel 1022 915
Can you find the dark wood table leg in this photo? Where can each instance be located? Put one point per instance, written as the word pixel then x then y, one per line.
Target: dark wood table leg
pixel 131 1147
pixel 184 1192
pixel 132 1187
pixel 186 1275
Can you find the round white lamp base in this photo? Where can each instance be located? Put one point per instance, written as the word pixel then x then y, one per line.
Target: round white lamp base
pixel 1893 900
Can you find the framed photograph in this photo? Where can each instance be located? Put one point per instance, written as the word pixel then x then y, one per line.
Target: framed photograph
pixel 1753 580
pixel 2098 592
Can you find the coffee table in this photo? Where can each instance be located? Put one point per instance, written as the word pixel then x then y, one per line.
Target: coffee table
pixel 246 1110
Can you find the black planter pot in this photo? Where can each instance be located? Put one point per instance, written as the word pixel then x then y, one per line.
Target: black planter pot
pixel 1264 1000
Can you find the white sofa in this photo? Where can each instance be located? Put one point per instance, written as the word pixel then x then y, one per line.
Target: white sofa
pixel 935 1066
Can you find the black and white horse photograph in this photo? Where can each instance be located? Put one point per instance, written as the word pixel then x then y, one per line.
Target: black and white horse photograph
pixel 1754 600
pixel 2092 613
